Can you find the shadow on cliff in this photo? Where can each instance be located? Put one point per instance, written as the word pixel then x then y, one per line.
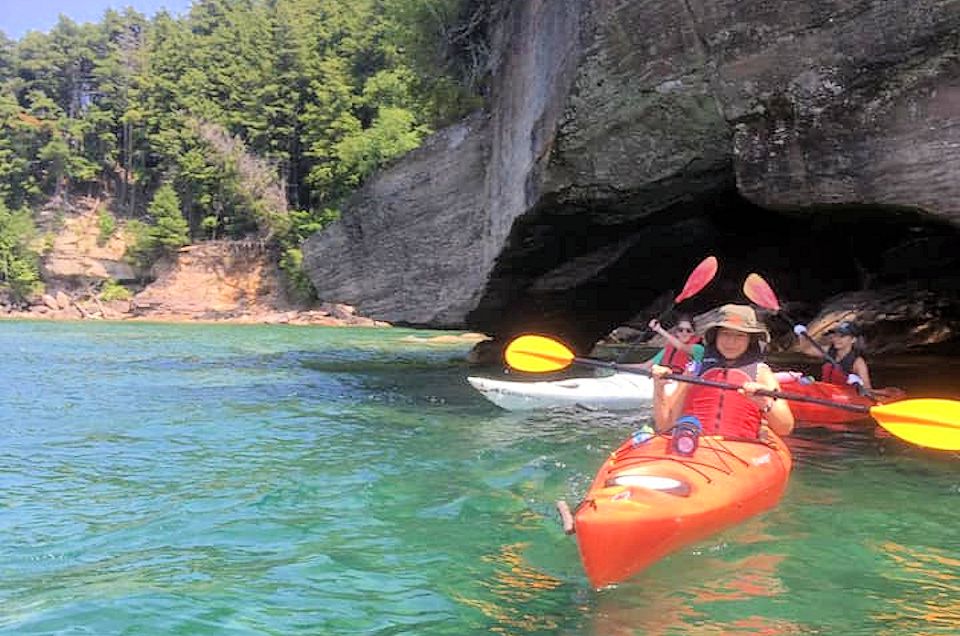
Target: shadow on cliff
pixel 569 274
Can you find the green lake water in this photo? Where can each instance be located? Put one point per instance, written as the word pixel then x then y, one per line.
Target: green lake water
pixel 197 479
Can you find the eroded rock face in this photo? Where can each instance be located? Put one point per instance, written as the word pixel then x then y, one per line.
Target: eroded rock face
pixel 840 102
pixel 211 279
pixel 625 140
pixel 80 253
pixel 414 244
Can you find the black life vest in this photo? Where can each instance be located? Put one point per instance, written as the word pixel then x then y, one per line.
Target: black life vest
pixel 837 373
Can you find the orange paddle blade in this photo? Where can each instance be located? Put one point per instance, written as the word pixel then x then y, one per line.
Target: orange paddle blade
pixel 759 291
pixel 537 354
pixel 698 279
pixel 933 423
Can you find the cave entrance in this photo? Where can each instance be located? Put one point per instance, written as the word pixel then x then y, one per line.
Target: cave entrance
pixel 579 271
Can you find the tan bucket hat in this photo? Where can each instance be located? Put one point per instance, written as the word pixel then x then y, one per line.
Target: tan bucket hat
pixel 737 317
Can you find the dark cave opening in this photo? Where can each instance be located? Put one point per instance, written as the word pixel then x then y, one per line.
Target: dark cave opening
pixel 572 271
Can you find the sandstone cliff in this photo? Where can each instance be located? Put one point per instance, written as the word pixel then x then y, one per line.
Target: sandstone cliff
pixel 236 281
pixel 815 142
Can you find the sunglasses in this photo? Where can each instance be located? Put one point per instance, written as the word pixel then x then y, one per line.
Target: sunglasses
pixel 684 329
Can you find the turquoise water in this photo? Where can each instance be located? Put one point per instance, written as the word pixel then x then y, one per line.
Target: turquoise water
pixel 196 479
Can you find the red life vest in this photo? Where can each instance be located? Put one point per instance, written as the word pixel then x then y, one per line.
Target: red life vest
pixel 674 358
pixel 723 412
pixel 837 373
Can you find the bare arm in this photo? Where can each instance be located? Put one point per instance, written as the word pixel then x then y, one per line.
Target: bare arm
pixel 807 345
pixel 646 364
pixel 672 339
pixel 777 412
pixel 860 368
pixel 807 348
pixel 665 404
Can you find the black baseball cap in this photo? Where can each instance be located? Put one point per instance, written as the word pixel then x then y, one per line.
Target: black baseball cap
pixel 846 328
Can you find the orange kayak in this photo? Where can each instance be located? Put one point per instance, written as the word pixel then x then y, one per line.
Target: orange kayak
pixel 648 500
pixel 808 413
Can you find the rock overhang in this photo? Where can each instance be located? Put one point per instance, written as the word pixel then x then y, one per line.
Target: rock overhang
pixel 624 142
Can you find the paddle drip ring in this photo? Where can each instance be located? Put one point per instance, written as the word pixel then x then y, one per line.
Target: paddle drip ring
pixel 686 436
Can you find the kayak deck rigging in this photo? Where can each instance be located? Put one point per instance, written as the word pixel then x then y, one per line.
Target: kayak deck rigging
pixel 648 499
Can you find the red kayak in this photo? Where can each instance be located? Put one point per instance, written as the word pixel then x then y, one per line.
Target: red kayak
pixel 807 413
pixel 648 499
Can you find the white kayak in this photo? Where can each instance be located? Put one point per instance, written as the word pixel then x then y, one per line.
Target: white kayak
pixel 620 391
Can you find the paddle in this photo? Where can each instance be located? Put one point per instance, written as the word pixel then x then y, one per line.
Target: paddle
pixel 933 423
pixel 701 275
pixel 759 292
pixel 697 280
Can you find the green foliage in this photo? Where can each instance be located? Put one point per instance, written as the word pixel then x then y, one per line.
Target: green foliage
pixel 47 242
pixel 314 97
pixel 246 186
pixel 112 290
pixel 107 225
pixel 19 263
pixel 297 282
pixel 141 250
pixel 393 133
pixel 304 223
pixel 210 225
pixel 445 43
pixel 167 232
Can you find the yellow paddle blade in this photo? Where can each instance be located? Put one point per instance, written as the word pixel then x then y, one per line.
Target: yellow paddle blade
pixel 537 354
pixel 929 422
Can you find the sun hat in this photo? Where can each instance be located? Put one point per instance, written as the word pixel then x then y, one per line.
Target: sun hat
pixel 846 328
pixel 737 317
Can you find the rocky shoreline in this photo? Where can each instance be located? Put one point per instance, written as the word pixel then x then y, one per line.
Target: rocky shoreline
pixel 62 306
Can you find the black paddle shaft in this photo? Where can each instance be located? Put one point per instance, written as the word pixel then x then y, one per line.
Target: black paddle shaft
pixel 690 379
pixel 826 355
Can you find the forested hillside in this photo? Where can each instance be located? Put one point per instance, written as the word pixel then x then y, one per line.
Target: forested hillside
pixel 242 119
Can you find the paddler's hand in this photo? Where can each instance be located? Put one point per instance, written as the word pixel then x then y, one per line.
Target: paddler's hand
pixel 750 389
pixel 659 372
pixel 661 401
pixel 654 325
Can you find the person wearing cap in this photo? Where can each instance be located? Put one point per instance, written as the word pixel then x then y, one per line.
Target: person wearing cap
pixel 849 366
pixel 733 354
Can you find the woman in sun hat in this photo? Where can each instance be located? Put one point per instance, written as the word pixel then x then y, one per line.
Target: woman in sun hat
pixel 845 350
pixel 733 354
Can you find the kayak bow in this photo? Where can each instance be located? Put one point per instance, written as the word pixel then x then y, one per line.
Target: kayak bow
pixel 648 500
pixel 621 391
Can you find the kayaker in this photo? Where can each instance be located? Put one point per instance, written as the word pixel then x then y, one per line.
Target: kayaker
pixel 845 349
pixel 733 354
pixel 682 346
